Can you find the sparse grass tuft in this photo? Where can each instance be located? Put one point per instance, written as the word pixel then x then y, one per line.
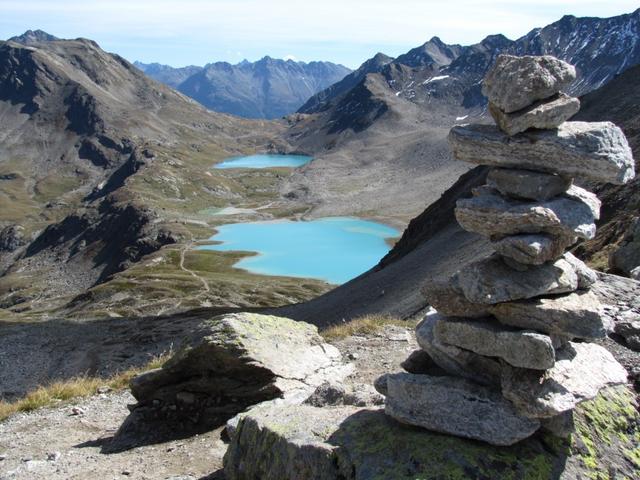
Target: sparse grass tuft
pixel 79 387
pixel 362 325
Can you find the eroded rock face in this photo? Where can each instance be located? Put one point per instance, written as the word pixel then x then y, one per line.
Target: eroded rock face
pixel 527 184
pixel 513 83
pixel 520 348
pixel 594 150
pixel 545 114
pixel 237 360
pixel 490 214
pixel 580 371
pixel 456 406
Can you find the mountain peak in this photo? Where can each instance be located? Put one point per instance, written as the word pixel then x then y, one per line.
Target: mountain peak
pixel 33 36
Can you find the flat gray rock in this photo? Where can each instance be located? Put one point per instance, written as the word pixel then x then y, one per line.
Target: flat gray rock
pixel 527 184
pixel 513 83
pixel 492 281
pixel 532 249
pixel 454 360
pixel 546 114
pixel 520 348
pixel 457 407
pixel 490 214
pixel 448 299
pixel 575 315
pixel 580 372
pixel 594 150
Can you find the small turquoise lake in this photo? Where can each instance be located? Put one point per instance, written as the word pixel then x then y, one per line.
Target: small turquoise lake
pixel 265 161
pixel 334 249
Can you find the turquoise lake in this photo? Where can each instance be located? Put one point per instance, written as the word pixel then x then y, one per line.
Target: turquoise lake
pixel 334 249
pixel 265 161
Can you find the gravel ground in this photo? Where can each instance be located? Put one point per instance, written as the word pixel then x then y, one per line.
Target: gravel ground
pixel 66 442
pixel 72 441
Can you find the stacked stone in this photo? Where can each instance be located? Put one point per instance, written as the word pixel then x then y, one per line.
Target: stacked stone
pixel 508 349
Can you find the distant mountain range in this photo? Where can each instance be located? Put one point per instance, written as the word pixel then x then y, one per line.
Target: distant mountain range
pixel 269 88
pixel 168 75
pixel 437 74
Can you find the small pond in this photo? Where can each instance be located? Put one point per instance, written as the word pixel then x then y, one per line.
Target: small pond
pixel 334 249
pixel 265 161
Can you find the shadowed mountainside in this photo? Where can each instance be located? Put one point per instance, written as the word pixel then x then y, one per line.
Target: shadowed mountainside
pixel 100 166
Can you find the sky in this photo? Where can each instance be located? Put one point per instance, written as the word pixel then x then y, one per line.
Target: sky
pixel 196 32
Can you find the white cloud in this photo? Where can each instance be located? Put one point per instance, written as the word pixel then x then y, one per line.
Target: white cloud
pixel 290 57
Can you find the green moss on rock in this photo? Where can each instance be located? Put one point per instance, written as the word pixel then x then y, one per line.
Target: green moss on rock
pixel 366 444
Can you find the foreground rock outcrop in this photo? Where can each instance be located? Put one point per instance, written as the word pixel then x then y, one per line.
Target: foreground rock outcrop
pixel 235 361
pixel 507 341
pixel 349 443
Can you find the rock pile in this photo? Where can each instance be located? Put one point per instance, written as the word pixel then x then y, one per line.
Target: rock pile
pixel 509 341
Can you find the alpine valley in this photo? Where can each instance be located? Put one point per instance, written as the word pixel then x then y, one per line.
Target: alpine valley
pixel 110 196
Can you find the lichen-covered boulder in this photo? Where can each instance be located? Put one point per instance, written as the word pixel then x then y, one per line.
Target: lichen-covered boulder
pixel 237 360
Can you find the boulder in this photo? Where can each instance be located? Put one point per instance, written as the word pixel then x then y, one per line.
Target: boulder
pixel 234 361
pixel 520 348
pixel 527 184
pixel 279 443
pixel 575 315
pixel 490 214
pixel 580 371
pixel 546 114
pixel 492 281
pixel 594 150
pixel 513 83
pixel 457 407
pixel 456 361
pixel 532 248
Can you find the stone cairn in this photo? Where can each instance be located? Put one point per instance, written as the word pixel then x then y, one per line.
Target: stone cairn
pixel 507 351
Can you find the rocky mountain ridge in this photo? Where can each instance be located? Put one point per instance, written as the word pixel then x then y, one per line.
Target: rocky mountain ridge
pixel 268 88
pixel 437 73
pixel 166 74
